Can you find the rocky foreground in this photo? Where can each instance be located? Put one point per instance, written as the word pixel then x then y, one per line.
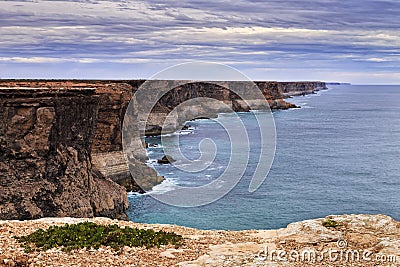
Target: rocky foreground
pixel 358 240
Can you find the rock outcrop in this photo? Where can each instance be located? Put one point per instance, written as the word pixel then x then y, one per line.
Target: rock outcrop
pixel 358 240
pixel 167 159
pixel 61 141
pixel 46 137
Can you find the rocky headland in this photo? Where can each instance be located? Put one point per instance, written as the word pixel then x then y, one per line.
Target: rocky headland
pixel 61 141
pixel 357 240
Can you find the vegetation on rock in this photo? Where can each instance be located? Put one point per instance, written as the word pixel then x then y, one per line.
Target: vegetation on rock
pixel 329 223
pixel 91 235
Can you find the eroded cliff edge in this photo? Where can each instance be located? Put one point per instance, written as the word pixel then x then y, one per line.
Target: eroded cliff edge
pixel 61 145
pixel 45 156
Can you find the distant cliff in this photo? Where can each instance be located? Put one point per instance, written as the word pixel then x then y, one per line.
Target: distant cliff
pixel 61 144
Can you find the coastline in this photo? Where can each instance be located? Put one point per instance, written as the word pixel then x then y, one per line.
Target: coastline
pixel 65 137
pixel 379 235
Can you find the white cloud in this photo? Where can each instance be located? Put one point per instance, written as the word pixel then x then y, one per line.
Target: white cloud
pixel 31 60
pixel 375 59
pixel 47 60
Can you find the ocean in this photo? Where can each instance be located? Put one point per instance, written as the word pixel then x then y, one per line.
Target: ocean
pixel 338 154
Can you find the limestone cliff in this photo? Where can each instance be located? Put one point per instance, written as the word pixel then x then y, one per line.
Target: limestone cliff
pixel 45 156
pixel 61 145
pixel 107 147
pixel 300 88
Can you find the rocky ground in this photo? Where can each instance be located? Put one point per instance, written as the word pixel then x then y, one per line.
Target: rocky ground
pixel 358 240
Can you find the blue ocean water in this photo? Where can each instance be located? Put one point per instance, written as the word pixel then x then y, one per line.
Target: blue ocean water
pixel 338 154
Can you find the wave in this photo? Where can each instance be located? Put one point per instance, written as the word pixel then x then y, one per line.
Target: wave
pixel 151 162
pixel 133 194
pixel 166 186
pixel 185 132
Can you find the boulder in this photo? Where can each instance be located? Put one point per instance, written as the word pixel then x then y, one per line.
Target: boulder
pixel 167 159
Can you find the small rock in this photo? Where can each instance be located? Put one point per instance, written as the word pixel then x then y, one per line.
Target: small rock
pixel 21 260
pixel 9 262
pixel 167 254
pixel 167 159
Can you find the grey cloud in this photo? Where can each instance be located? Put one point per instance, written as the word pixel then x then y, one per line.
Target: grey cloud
pixel 361 34
pixel 329 14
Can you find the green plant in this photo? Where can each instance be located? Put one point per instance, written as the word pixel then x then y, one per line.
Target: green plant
pixel 329 223
pixel 91 235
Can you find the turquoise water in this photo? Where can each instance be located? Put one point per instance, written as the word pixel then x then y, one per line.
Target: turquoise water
pixel 339 154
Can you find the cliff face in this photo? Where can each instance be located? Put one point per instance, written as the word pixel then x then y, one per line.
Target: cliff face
pixel 61 144
pixel 45 156
pixel 300 88
pixel 274 93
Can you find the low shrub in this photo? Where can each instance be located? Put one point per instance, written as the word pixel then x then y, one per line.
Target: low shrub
pixel 329 223
pixel 91 235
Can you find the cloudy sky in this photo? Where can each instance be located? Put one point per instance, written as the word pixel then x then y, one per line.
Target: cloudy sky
pixel 331 40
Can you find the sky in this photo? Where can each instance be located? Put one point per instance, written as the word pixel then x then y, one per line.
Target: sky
pixel 327 40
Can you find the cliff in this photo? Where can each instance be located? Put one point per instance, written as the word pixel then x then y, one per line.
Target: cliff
pixel 45 156
pixel 300 88
pixel 61 140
